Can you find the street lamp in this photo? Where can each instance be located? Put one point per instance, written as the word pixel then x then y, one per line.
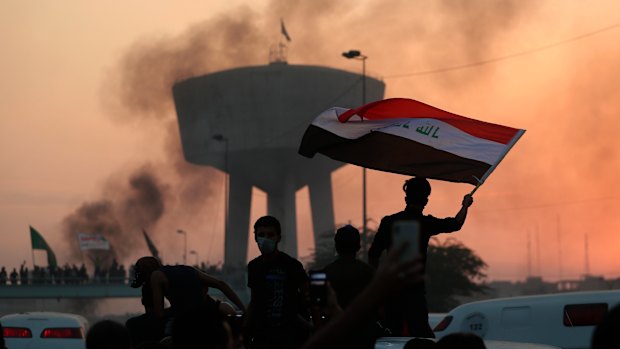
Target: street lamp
pixel 356 54
pixel 195 254
pixel 185 245
pixel 220 138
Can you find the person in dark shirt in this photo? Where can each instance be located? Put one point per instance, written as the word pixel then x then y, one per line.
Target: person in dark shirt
pixel 13 277
pixel 183 286
pixel 347 275
pixel 195 330
pixel 344 328
pixel 145 327
pixel 279 287
pixel 2 345
pixel 605 335
pixel 410 308
pixel 3 276
pixel 108 334
pixel 461 340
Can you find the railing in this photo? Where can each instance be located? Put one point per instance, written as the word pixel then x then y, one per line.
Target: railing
pixel 62 280
pixel 50 288
pixel 69 290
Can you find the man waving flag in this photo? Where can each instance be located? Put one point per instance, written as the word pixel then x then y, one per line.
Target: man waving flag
pixel 412 138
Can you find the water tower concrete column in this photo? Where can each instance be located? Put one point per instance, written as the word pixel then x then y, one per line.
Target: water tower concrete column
pixel 236 242
pixel 281 204
pixel 321 204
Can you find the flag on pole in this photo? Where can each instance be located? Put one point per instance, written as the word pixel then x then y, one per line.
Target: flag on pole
pixel 93 241
pixel 38 243
pixel 283 30
pixel 151 245
pixel 412 138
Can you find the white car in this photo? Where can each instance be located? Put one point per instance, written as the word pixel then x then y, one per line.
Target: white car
pixel 399 343
pixel 565 320
pixel 49 330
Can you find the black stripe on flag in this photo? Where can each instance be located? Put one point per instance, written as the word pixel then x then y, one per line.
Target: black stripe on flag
pixel 385 152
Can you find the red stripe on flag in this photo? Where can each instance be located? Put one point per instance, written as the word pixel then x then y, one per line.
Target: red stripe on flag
pixel 398 108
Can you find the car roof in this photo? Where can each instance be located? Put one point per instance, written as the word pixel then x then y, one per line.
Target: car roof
pixel 545 299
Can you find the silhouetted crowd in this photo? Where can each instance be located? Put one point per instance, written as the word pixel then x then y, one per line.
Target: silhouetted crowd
pixel 65 275
pixel 73 275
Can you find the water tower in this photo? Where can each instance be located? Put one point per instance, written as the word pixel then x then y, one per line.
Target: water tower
pixel 249 122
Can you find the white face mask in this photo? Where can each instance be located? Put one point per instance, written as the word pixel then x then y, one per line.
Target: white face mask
pixel 266 245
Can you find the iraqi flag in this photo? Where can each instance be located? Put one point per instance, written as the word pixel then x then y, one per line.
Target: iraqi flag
pixel 412 138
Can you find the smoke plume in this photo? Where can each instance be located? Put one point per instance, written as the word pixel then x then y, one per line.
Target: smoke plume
pixel 126 208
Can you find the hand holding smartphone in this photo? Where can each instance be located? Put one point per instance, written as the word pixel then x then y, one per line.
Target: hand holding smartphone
pixel 318 288
pixel 407 231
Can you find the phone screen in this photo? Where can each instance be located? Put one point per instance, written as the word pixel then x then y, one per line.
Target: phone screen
pixel 407 231
pixel 318 288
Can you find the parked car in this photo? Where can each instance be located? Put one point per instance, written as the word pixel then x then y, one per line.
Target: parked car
pixel 44 330
pixel 566 320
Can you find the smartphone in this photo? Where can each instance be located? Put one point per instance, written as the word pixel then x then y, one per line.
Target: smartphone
pixel 318 288
pixel 407 231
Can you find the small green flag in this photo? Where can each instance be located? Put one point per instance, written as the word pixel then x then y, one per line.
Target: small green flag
pixel 38 243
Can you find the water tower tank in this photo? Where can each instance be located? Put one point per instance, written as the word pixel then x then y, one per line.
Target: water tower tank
pixel 249 122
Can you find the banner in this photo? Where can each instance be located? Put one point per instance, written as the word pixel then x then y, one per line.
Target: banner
pixel 93 241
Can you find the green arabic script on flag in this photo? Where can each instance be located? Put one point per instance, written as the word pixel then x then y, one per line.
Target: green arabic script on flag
pixel 38 243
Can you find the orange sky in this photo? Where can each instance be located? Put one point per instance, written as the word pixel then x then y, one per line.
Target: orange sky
pixel 72 128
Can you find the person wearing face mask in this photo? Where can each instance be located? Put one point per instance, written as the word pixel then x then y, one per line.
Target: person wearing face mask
pixel 279 286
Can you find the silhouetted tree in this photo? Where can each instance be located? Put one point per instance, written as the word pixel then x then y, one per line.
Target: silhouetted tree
pixel 452 270
pixel 324 251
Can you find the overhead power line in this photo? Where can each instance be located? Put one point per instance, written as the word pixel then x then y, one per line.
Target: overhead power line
pixel 557 204
pixel 502 58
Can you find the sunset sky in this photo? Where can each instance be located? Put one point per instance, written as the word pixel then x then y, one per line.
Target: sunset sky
pixel 85 103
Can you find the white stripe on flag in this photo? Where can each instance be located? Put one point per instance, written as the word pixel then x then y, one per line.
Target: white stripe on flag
pixel 427 131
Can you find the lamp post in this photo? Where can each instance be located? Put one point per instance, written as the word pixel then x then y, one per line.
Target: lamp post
pixel 220 138
pixel 180 231
pixel 195 254
pixel 356 54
